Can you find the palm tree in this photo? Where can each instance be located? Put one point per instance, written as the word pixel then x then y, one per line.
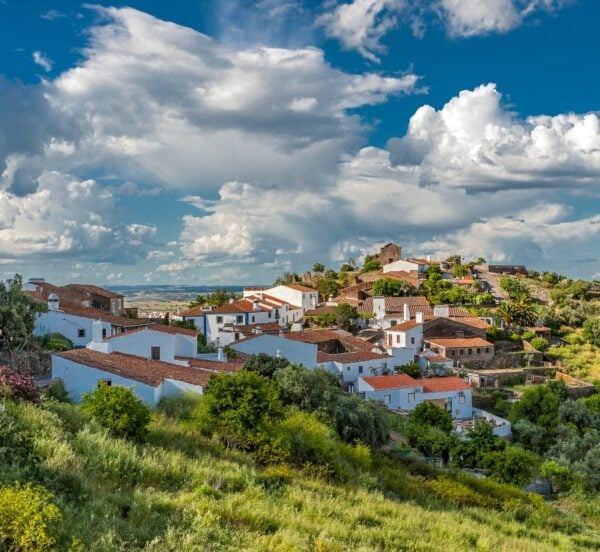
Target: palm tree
pixel 506 311
pixel 525 311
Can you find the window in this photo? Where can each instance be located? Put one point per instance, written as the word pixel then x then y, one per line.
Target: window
pixel 461 352
pixel 478 350
pixel 487 349
pixel 452 352
pixel 360 369
pixel 103 333
pixel 219 320
pixel 397 338
pixel 470 351
pixel 461 399
pixel 411 397
pixel 155 353
pixel 253 318
pixel 387 399
pixel 80 333
pixel 239 319
pixel 412 340
pixel 347 368
pixel 269 314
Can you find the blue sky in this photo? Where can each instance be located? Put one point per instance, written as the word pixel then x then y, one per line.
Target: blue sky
pixel 228 142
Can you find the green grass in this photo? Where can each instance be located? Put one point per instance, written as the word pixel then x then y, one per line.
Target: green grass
pixel 180 491
pixel 581 359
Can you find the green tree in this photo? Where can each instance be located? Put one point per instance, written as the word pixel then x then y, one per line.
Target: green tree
pixel 319 268
pixel 459 271
pixel 538 404
pixel 428 414
pixel 345 316
pixel 240 407
pixel 539 343
pixel 326 286
pixel 118 409
pixel 386 287
pixel 506 313
pixel 591 331
pixel 512 465
pixel 371 264
pixel 216 298
pixel 412 369
pixel 357 420
pixel 18 313
pixel 470 452
pixel 558 475
pixel 265 365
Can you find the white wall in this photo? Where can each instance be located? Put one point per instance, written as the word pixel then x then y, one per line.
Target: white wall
pixel 198 322
pixel 352 370
pixel 79 379
pixel 68 325
pixel 170 388
pixel 255 317
pixel 294 296
pixel 401 265
pixel 406 338
pixel 296 352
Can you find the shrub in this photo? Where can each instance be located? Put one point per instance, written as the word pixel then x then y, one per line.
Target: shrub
pixel 265 365
pixel 539 343
pixel 17 386
pixel 591 331
pixel 512 465
pixel 360 421
pixel 275 477
pixel 57 391
pixel 28 520
pixel 56 342
pixel 118 409
pixel 180 407
pixel 431 415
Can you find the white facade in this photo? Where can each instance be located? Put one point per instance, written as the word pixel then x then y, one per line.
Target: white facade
pixel 412 338
pixel 405 265
pixel 305 299
pixel 216 320
pixel 141 343
pixel 459 403
pixel 76 328
pixel 351 371
pixel 294 351
pixel 79 379
pixel 198 322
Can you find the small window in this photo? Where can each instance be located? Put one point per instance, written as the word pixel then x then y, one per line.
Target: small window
pixel 411 397
pixel 452 352
pixel 219 320
pixel 412 340
pixel 269 314
pixel 360 369
pixel 461 399
pixel 253 318
pixel 103 333
pixel 347 368
pixel 80 333
pixel 461 352
pixel 478 350
pixel 487 349
pixel 387 399
pixel 155 353
pixel 397 338
pixel 470 351
pixel 239 319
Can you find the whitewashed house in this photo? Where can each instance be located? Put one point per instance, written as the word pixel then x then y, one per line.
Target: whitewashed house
pixel 157 342
pixel 350 366
pixel 420 266
pixel 76 322
pixel 296 352
pixel 402 392
pixel 82 370
pixel 294 294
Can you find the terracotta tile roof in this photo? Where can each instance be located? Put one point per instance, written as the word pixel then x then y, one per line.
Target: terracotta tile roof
pixel 243 305
pixel 98 314
pixel 215 365
pixel 453 342
pixel 437 358
pixel 348 358
pixel 194 311
pixel 423 262
pixel 97 290
pixel 396 304
pixel 318 311
pixel 323 336
pixel 395 381
pixel 266 327
pixel 438 385
pixel 404 327
pixel 300 287
pixel 474 321
pixel 150 372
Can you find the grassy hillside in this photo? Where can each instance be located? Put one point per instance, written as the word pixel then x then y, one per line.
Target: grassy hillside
pixel 180 491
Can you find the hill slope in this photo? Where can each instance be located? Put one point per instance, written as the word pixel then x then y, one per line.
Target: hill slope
pixel 180 491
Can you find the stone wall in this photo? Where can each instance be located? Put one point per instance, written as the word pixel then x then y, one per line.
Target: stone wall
pixel 29 363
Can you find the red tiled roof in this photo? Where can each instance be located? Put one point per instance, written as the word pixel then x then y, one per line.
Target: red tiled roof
pixel 395 381
pixel 404 327
pixel 300 287
pixel 194 311
pixel 243 305
pixel 215 365
pixel 348 358
pixel 437 358
pixel 150 372
pixel 437 385
pixel 396 304
pixel 323 336
pixel 453 342
pixel 97 290
pixel 98 314
pixel 318 311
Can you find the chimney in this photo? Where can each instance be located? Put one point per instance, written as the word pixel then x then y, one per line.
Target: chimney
pixel 278 354
pixel 220 354
pixel 53 302
pixel 255 305
pixel 441 310
pixel 258 330
pixel 379 307
pixel 406 312
pixel 97 331
pixel 428 257
pixel 420 318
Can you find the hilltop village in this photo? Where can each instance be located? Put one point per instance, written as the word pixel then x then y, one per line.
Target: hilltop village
pixel 407 375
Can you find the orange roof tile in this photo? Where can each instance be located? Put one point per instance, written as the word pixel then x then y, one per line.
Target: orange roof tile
pixel 438 385
pixel 348 358
pixel 151 372
pixel 98 314
pixel 453 342
pixel 395 381
pixel 404 327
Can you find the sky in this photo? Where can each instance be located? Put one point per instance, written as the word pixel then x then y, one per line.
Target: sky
pixel 229 142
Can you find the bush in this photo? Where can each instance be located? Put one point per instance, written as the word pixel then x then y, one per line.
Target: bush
pixel 429 414
pixel 57 391
pixel 28 521
pixel 17 386
pixel 360 421
pixel 179 407
pixel 412 369
pixel 539 343
pixel 591 331
pixel 512 465
pixel 118 409
pixel 56 342
pixel 265 365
